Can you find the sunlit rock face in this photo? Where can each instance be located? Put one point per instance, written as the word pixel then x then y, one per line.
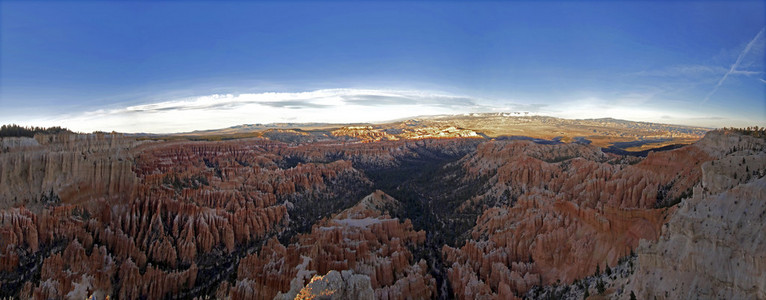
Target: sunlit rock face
pixel 413 217
pixel 713 246
pixel 404 131
pixel 334 285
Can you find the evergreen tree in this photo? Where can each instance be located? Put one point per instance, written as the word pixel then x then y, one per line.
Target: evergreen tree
pixel 14 130
pixel 600 287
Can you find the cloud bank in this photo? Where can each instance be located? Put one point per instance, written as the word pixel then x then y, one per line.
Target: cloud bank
pixel 224 110
pixel 357 106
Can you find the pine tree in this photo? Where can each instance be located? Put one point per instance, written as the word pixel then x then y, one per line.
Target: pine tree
pixel 600 287
pixel 632 296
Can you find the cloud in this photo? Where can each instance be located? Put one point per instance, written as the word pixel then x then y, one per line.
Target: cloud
pixel 736 64
pixel 534 107
pixel 382 100
pixel 377 100
pixel 348 106
pixel 708 118
pixel 230 101
pixel 224 110
pixel 315 99
pixel 746 73
pixel 682 71
pixel 660 110
pixel 295 104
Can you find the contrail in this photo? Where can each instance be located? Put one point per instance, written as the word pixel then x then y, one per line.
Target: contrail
pixel 736 64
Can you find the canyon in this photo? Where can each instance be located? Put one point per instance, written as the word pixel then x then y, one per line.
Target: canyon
pixel 467 207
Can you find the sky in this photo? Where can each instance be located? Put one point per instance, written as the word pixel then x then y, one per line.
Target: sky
pixel 177 66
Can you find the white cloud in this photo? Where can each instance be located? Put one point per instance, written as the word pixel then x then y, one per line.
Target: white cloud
pixel 219 111
pixel 594 108
pixel 358 106
pixel 658 111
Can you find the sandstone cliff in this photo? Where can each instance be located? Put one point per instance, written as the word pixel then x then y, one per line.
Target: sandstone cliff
pixel 713 245
pixel 709 247
pixel 65 168
pixel 554 213
pixel 256 218
pixel 154 216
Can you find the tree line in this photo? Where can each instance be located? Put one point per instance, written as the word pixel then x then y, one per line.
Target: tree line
pixel 754 131
pixel 14 130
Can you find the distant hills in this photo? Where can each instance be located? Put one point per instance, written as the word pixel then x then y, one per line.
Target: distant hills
pixel 603 132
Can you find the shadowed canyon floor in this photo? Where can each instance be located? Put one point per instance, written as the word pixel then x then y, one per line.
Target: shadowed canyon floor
pixel 436 208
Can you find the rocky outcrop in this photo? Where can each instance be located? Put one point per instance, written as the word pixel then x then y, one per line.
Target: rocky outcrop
pixel 554 213
pixel 334 285
pixel 404 131
pixel 361 239
pixel 161 218
pixel 585 175
pixel 712 247
pixel 65 168
pixel 256 218
pixel 709 245
pixel 378 155
pixel 538 242
pixel 709 249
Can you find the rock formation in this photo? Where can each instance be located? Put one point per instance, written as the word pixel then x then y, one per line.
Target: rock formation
pixel 333 285
pixel 362 239
pixel 258 218
pixel 712 247
pixel 405 131
pixel 65 168
pixel 556 212
pixel 154 214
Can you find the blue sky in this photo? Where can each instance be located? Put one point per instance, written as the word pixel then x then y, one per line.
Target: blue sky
pixel 177 66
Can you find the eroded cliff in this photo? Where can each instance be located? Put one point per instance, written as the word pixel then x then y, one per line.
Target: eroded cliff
pixel 258 218
pixel 554 213
pixel 363 240
pixel 713 246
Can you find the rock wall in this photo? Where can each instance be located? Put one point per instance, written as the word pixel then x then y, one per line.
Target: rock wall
pixel 105 215
pixel 66 168
pixel 554 213
pixel 334 285
pixel 713 246
pixel 154 218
